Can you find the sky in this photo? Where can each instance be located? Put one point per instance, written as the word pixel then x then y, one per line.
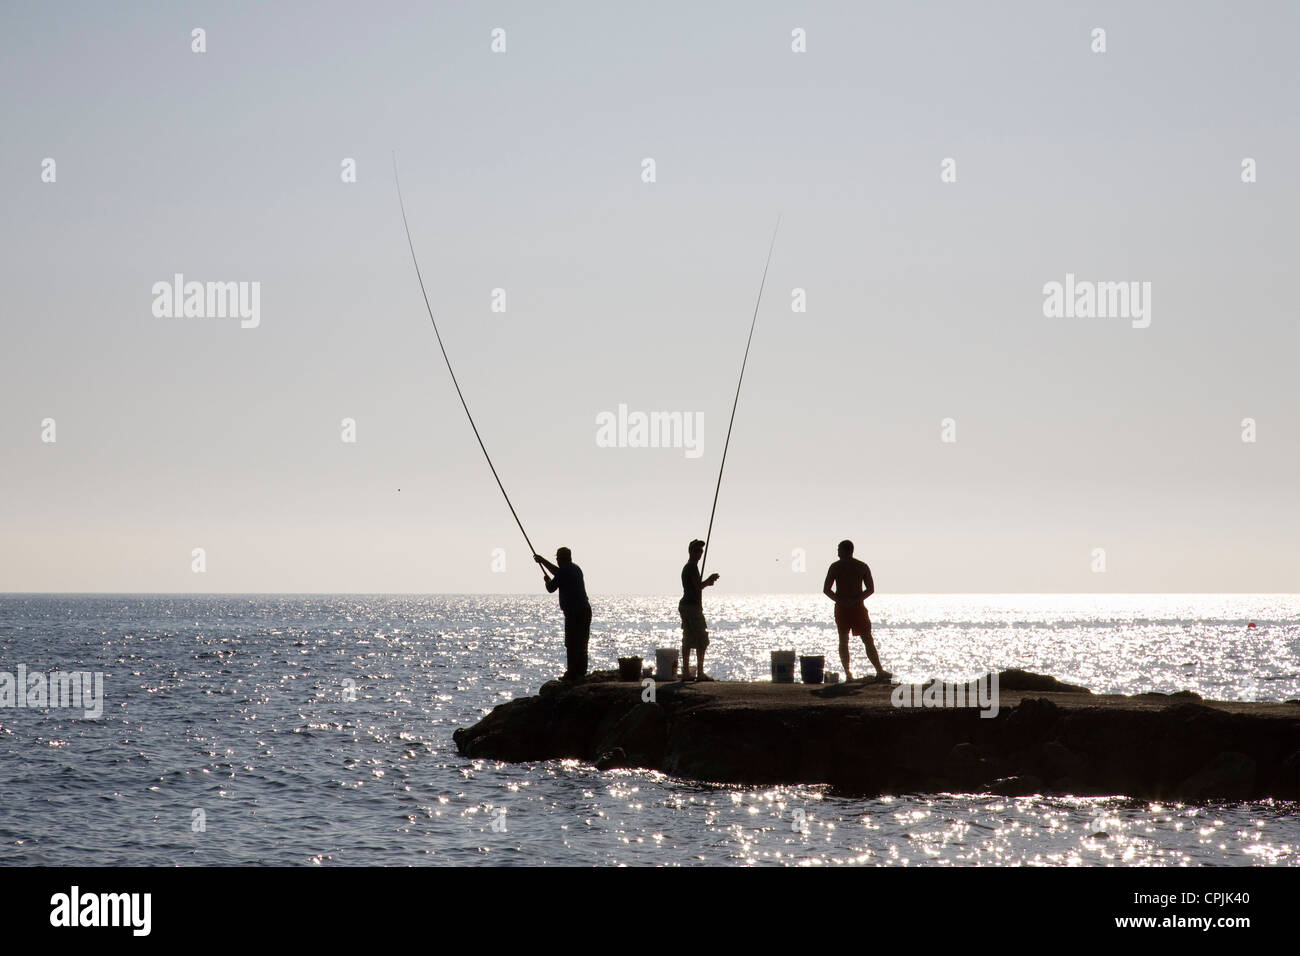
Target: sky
pixel 1091 453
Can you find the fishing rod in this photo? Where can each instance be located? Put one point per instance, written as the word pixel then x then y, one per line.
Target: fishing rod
pixel 429 308
pixel 727 444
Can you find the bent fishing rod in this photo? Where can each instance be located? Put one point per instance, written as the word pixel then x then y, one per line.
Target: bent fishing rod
pixel 459 393
pixel 743 362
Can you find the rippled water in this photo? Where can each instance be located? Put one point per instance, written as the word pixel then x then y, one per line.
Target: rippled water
pixel 237 707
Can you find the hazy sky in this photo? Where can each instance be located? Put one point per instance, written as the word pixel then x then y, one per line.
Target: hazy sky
pixel 523 170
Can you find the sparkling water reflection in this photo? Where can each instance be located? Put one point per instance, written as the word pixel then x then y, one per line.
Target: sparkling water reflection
pixel 239 706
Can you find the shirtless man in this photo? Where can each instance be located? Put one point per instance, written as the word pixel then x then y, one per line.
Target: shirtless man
pixel 853 585
pixel 695 632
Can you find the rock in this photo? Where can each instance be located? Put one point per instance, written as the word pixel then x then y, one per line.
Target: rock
pixel 640 734
pixel 511 731
pixel 1229 776
pixel 1177 696
pixel 962 759
pixel 1066 786
pixel 859 743
pixel 965 769
pixel 1029 723
pixel 1016 679
pixel 1060 761
pixel 1025 785
pixel 1290 775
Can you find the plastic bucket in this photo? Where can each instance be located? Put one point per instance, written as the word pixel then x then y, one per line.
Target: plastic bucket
pixel 666 662
pixel 811 668
pixel 783 667
pixel 629 668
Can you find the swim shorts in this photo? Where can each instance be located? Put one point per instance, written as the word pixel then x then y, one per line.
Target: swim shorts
pixel 852 617
pixel 695 632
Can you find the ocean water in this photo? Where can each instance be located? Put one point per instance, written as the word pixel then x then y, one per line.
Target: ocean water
pixel 230 734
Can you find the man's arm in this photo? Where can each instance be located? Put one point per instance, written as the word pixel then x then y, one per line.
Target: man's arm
pixel 867 582
pixel 551 583
pixel 830 579
pixel 691 581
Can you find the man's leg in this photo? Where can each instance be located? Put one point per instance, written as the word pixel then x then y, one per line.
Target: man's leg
pixel 579 663
pixel 686 640
pixel 572 641
pixel 871 650
pixel 844 653
pixel 701 645
pixel 568 648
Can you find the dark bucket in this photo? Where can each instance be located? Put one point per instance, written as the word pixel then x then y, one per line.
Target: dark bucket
pixel 629 668
pixel 811 669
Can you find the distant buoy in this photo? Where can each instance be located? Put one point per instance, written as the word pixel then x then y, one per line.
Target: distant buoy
pixel 1251 624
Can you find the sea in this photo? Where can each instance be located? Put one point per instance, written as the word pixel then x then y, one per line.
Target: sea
pixel 316 730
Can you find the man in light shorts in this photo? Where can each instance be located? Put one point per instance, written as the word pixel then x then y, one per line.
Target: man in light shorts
pixel 695 632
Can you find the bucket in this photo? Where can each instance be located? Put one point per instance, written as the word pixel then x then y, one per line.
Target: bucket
pixel 783 667
pixel 629 668
pixel 666 662
pixel 810 669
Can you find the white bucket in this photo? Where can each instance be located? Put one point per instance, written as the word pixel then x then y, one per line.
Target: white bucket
pixel 666 662
pixel 783 667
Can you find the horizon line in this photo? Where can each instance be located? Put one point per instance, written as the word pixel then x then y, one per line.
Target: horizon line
pixel 632 593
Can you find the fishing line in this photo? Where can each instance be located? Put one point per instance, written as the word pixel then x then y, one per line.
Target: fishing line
pixel 744 361
pixel 429 308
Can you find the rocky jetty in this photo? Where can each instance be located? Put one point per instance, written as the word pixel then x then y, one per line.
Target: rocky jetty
pixel 1046 737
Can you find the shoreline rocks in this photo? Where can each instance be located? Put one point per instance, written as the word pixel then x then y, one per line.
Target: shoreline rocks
pixel 1047 737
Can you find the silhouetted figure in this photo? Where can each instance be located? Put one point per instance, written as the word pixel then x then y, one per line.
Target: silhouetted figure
pixel 568 581
pixel 695 633
pixel 853 585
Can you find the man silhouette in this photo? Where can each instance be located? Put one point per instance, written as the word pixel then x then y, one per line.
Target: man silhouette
pixel 567 579
pixel 853 585
pixel 695 633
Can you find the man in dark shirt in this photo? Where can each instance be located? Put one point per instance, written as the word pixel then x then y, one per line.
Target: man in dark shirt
pixel 567 579
pixel 695 633
pixel 853 585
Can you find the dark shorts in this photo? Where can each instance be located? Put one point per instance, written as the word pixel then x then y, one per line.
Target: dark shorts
pixel 695 633
pixel 852 617
pixel 577 627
